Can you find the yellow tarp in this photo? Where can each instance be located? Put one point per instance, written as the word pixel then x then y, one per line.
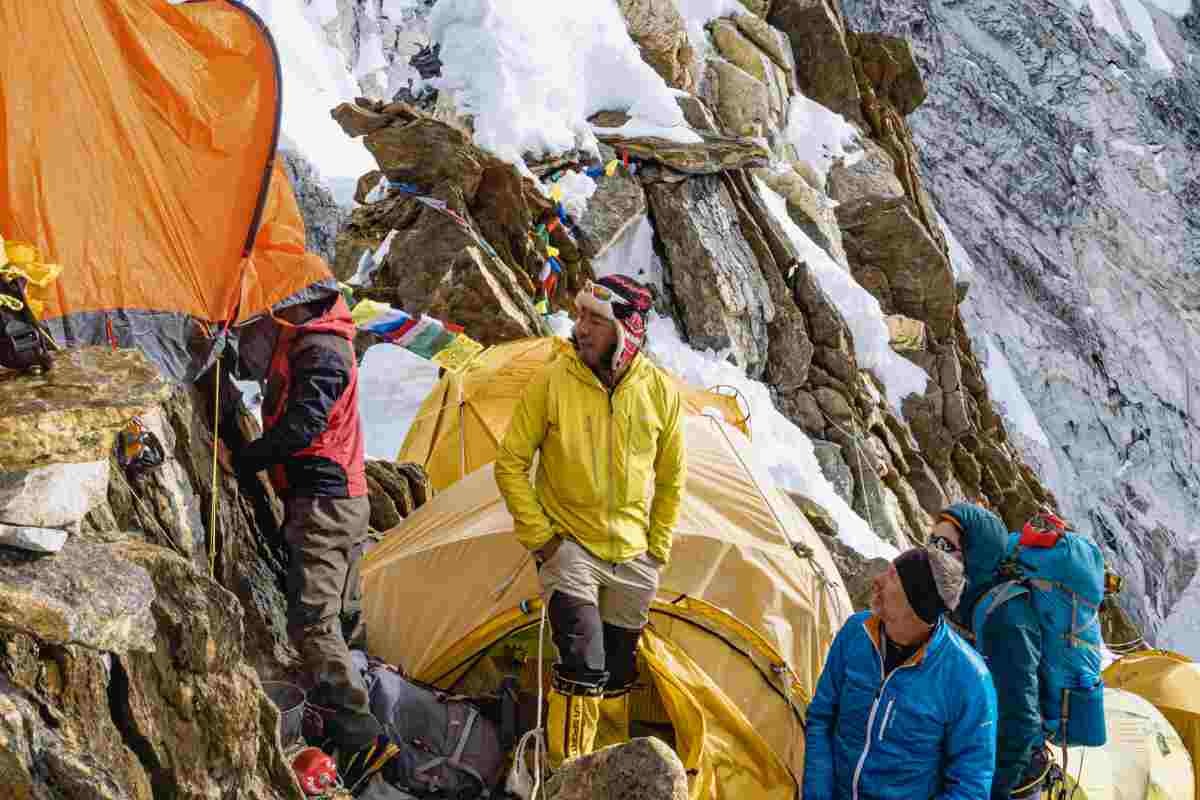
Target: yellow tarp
pixel 1172 683
pixel 750 614
pixel 461 423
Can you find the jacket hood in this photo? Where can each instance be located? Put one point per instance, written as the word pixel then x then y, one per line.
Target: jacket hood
pixel 336 320
pixel 986 541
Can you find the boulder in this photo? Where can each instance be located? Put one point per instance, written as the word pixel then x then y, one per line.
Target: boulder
pixel 906 335
pixel 758 7
pixel 644 768
pixel 872 175
pixel 739 49
pixel 821 520
pixel 888 63
pixel 71 413
pixel 835 469
pixel 618 203
pixel 894 257
pixel 723 298
pixel 696 114
pixel 54 496
pixel 824 67
pixel 771 41
pixel 660 32
pixel 742 102
pixel 714 154
pixel 86 595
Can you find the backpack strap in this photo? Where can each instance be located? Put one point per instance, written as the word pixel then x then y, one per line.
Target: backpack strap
pixel 1092 612
pixel 454 759
pixel 995 597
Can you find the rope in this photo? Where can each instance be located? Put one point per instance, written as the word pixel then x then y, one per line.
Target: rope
pixel 535 735
pixel 216 490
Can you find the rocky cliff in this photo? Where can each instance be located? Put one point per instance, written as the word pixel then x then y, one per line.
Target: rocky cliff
pixel 1060 143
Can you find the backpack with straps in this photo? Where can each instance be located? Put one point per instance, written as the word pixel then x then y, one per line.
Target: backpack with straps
pixel 1062 574
pixel 448 748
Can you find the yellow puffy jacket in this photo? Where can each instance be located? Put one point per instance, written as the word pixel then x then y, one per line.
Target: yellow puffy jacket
pixel 598 451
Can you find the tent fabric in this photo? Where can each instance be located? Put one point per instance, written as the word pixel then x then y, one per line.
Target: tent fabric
pixel 1171 682
pixel 752 614
pixel 461 423
pixel 1143 759
pixel 138 142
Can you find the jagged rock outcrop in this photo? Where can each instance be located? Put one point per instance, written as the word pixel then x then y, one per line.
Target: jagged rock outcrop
pixel 658 29
pixel 1062 154
pixel 323 217
pixel 824 70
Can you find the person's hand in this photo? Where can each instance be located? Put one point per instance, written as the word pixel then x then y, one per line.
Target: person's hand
pixel 547 550
pixel 225 458
pixel 653 559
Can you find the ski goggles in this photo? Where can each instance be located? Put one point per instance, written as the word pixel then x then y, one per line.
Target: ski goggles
pixel 944 544
pixel 603 293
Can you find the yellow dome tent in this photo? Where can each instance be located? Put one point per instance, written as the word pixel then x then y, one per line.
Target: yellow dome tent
pixel 1144 758
pixel 1172 683
pixel 459 426
pixel 744 617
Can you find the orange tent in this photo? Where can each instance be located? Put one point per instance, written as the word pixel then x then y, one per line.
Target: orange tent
pixel 138 142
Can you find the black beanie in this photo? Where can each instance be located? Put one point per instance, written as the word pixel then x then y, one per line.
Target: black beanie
pixel 916 576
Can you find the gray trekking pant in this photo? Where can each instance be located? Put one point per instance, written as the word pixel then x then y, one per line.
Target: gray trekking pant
pixel 325 537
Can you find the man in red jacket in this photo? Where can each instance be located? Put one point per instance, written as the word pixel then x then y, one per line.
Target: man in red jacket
pixel 312 443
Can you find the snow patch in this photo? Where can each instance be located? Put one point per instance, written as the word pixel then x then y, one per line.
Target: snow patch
pixel 1143 26
pixel 820 136
pixel 872 343
pixel 315 80
pixel 392 384
pixel 532 73
pixel 1006 393
pixel 1176 8
pixel 577 190
pixel 696 15
pixel 633 255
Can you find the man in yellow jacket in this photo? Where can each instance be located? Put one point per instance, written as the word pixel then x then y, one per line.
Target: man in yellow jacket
pixel 607 424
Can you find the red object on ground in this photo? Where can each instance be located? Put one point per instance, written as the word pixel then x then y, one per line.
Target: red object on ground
pixel 315 771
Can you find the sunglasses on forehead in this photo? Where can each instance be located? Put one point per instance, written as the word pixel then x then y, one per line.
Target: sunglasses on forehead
pixel 603 293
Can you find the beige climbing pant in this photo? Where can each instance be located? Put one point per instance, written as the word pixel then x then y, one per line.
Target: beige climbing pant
pixel 325 536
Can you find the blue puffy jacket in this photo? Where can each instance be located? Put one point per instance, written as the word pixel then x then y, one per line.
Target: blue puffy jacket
pixel 926 731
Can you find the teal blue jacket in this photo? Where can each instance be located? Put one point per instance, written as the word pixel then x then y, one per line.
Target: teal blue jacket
pixel 1012 646
pixel 926 730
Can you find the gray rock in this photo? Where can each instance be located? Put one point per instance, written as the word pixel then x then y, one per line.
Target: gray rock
pixel 35 540
pixel 835 469
pixel 645 769
pixel 724 300
pixel 86 594
pixel 742 102
pixel 771 41
pixel 618 203
pixel 873 175
pixel 824 69
pixel 714 154
pixel 56 496
pixel 659 31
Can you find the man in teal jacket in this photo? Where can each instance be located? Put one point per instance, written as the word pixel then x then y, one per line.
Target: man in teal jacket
pixel 904 707
pixel 1012 648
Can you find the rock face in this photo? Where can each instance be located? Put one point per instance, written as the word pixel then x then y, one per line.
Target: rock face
pixel 1063 159
pixel 322 215
pixel 646 769
pixel 660 33
pixel 824 70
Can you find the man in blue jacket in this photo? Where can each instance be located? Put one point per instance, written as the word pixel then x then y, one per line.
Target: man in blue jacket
pixel 1012 640
pixel 904 707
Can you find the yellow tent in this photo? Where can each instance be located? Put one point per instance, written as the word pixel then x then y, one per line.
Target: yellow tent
pixel 1144 758
pixel 744 617
pixel 462 421
pixel 1172 683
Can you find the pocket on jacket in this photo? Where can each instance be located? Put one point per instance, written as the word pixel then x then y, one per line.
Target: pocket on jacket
pixel 640 451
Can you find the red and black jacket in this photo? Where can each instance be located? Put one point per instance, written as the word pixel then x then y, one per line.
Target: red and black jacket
pixel 312 439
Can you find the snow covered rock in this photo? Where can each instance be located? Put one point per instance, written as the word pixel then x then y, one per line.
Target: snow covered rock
pixel 872 175
pixel 619 202
pixel 811 212
pixel 710 155
pixel 34 540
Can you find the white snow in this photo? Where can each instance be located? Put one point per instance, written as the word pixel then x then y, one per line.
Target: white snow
pixel 960 260
pixel 872 344
pixel 392 384
pixel 1176 8
pixel 633 255
pixel 820 135
pixel 315 80
pixel 1143 26
pixel 532 73
pixel 698 13
pixel 1006 392
pixel 634 129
